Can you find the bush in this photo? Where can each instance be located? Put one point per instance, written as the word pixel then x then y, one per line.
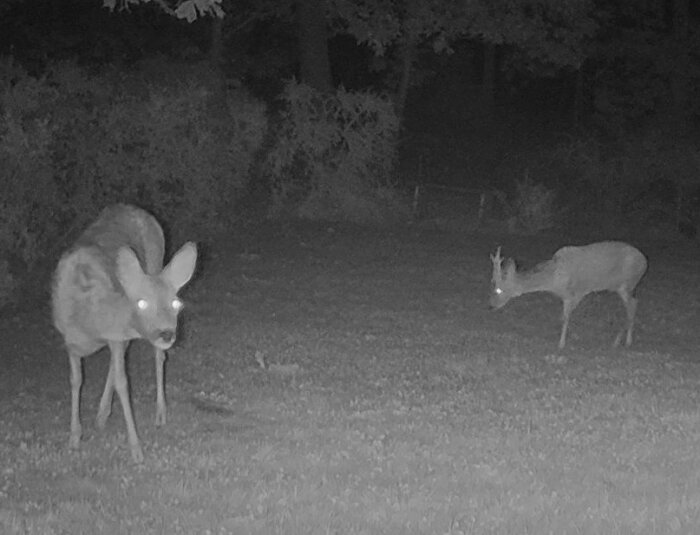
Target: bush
pixel 169 153
pixel 534 206
pixel 165 148
pixel 30 204
pixel 71 143
pixel 623 177
pixel 333 157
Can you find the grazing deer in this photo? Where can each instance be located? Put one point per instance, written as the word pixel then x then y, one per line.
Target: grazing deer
pixel 573 273
pixel 110 288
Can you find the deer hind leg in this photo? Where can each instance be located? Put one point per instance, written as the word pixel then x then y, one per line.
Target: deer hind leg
pixel 569 306
pixel 630 303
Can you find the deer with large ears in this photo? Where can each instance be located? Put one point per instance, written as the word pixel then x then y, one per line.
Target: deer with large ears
pixel 571 274
pixel 110 288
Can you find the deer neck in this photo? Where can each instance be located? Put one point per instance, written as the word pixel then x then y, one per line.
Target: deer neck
pixel 541 278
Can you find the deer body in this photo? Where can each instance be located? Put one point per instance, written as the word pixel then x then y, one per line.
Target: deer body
pixel 110 288
pixel 573 273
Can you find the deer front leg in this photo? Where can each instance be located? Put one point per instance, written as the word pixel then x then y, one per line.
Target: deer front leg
pixel 106 400
pixel 122 387
pixel 569 306
pixel 631 309
pixel 76 381
pixel 161 408
pixel 631 312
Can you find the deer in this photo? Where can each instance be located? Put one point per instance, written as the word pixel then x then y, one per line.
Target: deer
pixel 573 273
pixel 109 288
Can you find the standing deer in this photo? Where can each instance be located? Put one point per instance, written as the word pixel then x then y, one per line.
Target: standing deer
pixel 573 273
pixel 110 288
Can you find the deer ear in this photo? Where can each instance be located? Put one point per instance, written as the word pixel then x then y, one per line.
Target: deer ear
pixel 129 271
pixel 181 268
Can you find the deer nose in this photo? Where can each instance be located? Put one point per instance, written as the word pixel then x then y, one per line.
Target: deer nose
pixel 494 304
pixel 167 336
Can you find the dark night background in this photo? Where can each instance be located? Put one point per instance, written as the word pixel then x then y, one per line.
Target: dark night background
pixel 522 116
pixel 537 108
pixel 480 91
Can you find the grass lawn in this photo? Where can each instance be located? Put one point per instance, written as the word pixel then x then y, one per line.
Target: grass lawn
pixel 345 380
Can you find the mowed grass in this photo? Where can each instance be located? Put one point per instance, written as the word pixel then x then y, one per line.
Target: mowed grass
pixel 351 381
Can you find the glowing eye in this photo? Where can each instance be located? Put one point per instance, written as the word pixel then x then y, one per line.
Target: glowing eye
pixel 176 304
pixel 498 291
pixel 142 304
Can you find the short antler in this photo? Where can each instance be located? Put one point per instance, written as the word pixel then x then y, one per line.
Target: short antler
pixel 497 257
pixel 497 260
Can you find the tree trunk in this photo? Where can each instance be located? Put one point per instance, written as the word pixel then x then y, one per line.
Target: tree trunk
pixel 315 67
pixel 217 97
pixel 577 104
pixel 488 84
pixel 679 82
pixel 216 45
pixel 407 52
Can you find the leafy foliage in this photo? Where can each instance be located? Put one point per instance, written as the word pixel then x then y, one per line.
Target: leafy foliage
pixel 168 151
pixel 531 208
pixel 636 60
pixel 649 179
pixel 31 200
pixel 334 155
pixel 71 143
pixel 549 31
pixel 534 205
pixel 190 10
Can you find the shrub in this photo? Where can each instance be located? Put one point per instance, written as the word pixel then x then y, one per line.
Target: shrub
pixel 334 155
pixel 167 148
pixel 71 143
pixel 534 205
pixel 30 202
pixel 645 177
pixel 172 155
